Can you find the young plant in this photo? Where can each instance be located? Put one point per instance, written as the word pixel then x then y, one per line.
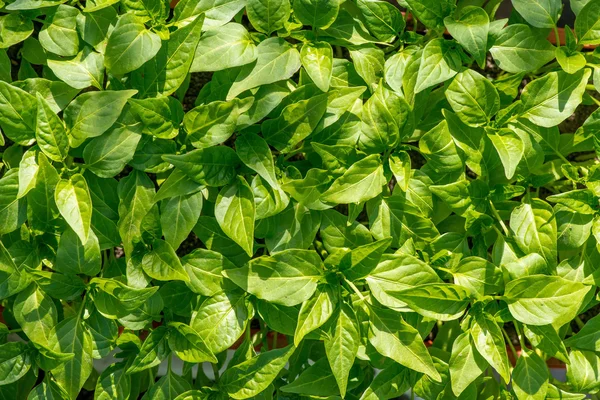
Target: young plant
pixel 358 207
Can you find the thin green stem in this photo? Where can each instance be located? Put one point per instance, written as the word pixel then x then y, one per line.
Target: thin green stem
pixel 215 369
pixel 510 345
pixel 169 363
pixel 355 290
pixel 499 218
pixel 557 36
pixel 519 335
pixel 579 322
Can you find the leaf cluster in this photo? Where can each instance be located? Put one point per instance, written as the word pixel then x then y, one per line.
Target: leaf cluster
pixel 356 206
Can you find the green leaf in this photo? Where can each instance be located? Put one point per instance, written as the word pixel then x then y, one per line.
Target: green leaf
pixel 187 344
pixel 519 49
pixel 71 336
pixel 440 61
pixel 179 216
pixel 93 113
pixel 317 60
pixel 315 380
pixel 166 72
pixel 342 347
pixel 549 100
pixel 84 70
pixel 543 300
pixel 130 45
pixel 276 61
pixel 163 264
pixel 587 28
pixel 154 350
pixel 212 166
pixel 235 213
pixel 583 371
pixel 535 229
pixel 470 28
pixel 431 12
pixel 14 28
pixel 530 376
pixel 489 342
pixel 570 62
pixel 382 19
pixel 59 34
pixel 268 16
pixel 390 382
pixel 251 377
pixel 466 364
pixel 74 202
pixel 316 311
pixel 18 111
pixel 217 13
pixel 296 122
pixel 443 301
pixel 113 383
pixel 221 319
pixel 108 154
pixel 50 132
pixel 539 13
pixel 15 362
pixel 136 193
pixel 316 13
pixel 361 182
pixel 588 338
pixel 473 98
pixel 392 337
pixel 255 154
pixel 510 148
pixel 288 277
pixel 36 314
pixel 227 46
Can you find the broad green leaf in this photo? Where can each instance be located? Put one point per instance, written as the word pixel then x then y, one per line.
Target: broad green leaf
pixel 166 72
pixel 163 264
pixel 255 154
pixel 276 61
pixel 587 25
pixel 94 26
pixel 317 60
pixel 316 311
pixel 316 13
pixel 168 387
pixel 545 338
pixel 519 49
pixel 539 13
pixel 136 193
pixel 534 227
pixel 431 12
pixel 391 382
pixel 212 166
pixel 382 19
pixel 549 100
pixel 543 300
pixel 361 182
pixel 288 277
pixel 75 257
pixel 268 16
pixel 570 62
pixel 342 347
pixel 249 378
pixel 510 148
pixel 18 111
pixel 470 29
pixel 473 98
pixel 227 46
pixel 205 267
pixel 113 383
pixel 296 122
pixel 179 216
pixel 154 350
pixel 221 319
pixel 440 61
pixel 211 124
pixel 36 314
pixel 108 154
pixel 50 132
pixel 588 338
pixel 93 113
pixel 71 336
pixel 14 28
pixel 217 12
pixel 443 301
pixel 466 364
pixel 130 45
pixel 392 337
pixel 530 376
pixel 187 344
pixel 315 380
pixel 583 371
pixel 489 342
pixel 59 34
pixel 235 213
pixel 72 197
pixel 15 362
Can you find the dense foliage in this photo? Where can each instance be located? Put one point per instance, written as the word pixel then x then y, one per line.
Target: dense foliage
pixel 393 205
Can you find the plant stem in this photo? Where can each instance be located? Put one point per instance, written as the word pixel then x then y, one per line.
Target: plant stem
pixel 512 347
pixel 497 215
pixel 215 368
pixel 355 289
pixel 519 335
